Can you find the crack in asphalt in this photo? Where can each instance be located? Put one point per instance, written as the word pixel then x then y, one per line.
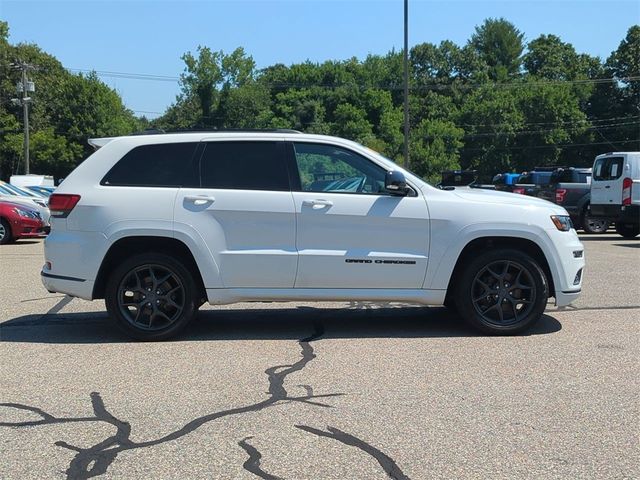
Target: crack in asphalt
pixel 253 462
pixel 95 460
pixel 386 462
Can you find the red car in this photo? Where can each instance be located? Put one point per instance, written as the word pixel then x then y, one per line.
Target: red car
pixel 19 221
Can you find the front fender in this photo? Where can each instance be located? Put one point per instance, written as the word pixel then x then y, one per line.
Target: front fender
pixel 442 263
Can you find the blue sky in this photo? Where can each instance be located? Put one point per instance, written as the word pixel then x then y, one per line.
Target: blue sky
pixel 150 36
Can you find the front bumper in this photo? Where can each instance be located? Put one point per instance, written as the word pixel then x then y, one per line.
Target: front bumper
pixel 567 267
pixel 28 228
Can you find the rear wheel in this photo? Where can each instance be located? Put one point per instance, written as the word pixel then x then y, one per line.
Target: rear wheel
pixel 5 232
pixel 502 292
pixel 151 296
pixel 628 230
pixel 593 225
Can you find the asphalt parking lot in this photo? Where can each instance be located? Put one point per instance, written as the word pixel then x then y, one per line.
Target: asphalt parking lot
pixel 322 391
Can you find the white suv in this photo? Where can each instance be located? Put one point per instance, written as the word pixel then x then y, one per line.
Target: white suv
pixel 159 224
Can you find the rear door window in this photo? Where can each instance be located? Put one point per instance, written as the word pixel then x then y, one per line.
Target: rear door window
pixel 608 168
pixel 158 165
pixel 245 165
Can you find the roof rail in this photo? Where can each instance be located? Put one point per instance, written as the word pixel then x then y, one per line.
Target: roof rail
pixel 238 130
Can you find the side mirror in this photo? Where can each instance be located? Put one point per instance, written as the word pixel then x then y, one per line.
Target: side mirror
pixel 395 183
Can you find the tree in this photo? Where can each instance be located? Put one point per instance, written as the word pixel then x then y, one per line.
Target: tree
pixel 211 72
pixel 500 44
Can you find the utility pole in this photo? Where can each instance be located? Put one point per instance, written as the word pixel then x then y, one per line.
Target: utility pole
pixel 24 87
pixel 407 165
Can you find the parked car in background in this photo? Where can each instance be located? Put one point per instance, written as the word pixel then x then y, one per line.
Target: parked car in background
pixel 31 180
pixel 505 182
pixel 571 188
pixel 42 190
pixel 18 220
pixel 615 191
pixel 530 183
pixel 38 203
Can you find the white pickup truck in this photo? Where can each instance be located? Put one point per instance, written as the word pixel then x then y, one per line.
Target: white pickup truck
pixel 159 224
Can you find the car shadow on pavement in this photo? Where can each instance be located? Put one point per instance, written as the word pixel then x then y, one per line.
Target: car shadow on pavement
pixel 628 245
pixel 602 237
pixel 262 324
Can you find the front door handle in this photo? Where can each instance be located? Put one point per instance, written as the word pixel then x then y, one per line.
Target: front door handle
pixel 317 204
pixel 199 199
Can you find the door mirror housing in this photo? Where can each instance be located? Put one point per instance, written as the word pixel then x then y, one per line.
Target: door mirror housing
pixel 395 183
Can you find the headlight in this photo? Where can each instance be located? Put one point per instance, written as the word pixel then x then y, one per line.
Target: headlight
pixel 562 222
pixel 22 213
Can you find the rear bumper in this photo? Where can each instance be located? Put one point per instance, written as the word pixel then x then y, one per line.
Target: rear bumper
pixel 76 287
pixel 617 213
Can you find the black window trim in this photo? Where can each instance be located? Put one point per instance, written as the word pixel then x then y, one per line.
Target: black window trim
pixel 297 182
pixel 280 149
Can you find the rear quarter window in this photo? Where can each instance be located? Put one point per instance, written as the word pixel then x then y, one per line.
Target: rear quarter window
pixel 608 168
pixel 158 165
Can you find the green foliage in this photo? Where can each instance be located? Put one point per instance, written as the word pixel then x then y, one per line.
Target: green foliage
pixel 491 105
pixel 66 109
pixel 500 44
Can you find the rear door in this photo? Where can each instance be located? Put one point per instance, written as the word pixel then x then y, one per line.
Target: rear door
pixel 606 181
pixel 351 232
pixel 243 209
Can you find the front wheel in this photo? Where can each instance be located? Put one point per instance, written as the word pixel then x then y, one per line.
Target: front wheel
pixel 593 225
pixel 151 296
pixel 628 230
pixel 502 292
pixel 5 232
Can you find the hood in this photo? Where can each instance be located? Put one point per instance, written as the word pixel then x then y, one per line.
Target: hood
pixel 18 204
pixel 504 198
pixel 20 201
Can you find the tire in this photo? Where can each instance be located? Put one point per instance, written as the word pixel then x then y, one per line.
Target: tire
pixel 628 230
pixel 151 296
pixel 5 232
pixel 502 292
pixel 593 225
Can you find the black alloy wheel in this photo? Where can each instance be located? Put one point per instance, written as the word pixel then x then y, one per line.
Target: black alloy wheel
pixel 151 296
pixel 501 291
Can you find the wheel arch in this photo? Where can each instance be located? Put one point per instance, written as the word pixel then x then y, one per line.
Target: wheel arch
pixel 132 245
pixel 481 244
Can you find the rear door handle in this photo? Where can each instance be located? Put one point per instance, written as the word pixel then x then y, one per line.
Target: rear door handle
pixel 199 199
pixel 317 204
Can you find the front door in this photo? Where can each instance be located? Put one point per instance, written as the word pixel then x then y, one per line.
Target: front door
pixel 351 233
pixel 243 209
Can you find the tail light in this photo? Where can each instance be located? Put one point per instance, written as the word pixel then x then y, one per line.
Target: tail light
pixel 626 191
pixel 519 190
pixel 560 194
pixel 61 204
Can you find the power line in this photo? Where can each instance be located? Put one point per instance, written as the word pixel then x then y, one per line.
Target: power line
pixel 425 87
pixel 557 145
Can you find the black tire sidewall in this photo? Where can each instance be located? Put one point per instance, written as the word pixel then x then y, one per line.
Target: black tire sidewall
pixel 627 232
pixel 467 276
pixel 585 225
pixel 8 237
pixel 166 261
